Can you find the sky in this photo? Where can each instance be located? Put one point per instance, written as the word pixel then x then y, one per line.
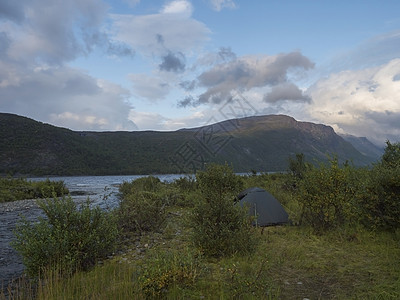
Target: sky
pixel 108 65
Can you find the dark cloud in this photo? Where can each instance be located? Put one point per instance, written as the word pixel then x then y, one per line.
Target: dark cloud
pixel 245 73
pixel 188 101
pixel 173 62
pixel 287 91
pixel 4 43
pixel 160 39
pixel 188 85
pixel 12 10
pixel 387 119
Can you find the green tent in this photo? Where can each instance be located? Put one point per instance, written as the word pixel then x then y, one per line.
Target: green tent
pixel 265 207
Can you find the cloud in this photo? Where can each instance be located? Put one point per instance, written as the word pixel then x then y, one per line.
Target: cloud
pixel 156 121
pixel 66 97
pixel 37 39
pixel 188 85
pixel 248 72
pixel 218 5
pixel 55 32
pixel 187 101
pixel 360 102
pixel 172 28
pixel 173 62
pixel 178 7
pixel 223 55
pixel 11 10
pixel 373 52
pixel 151 88
pixel 286 91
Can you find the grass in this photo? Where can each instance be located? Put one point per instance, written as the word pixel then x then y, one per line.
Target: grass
pixel 290 263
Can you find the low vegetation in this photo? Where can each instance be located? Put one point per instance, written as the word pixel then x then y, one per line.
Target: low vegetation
pixel 12 189
pixel 342 243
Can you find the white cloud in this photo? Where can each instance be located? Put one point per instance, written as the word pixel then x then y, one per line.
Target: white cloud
pixel 218 5
pixel 56 32
pixel 173 29
pixel 66 97
pixel 179 7
pixel 360 102
pixel 151 88
pixel 156 121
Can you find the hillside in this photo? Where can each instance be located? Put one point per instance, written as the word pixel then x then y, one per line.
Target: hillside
pixel 261 143
pixel 363 145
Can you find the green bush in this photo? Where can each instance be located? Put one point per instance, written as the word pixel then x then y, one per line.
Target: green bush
pixel 185 184
pixel 12 189
pixel 327 194
pixel 141 211
pixel 219 226
pixel 380 199
pixel 148 184
pixel 67 238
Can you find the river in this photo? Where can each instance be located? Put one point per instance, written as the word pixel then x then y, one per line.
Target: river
pixel 101 190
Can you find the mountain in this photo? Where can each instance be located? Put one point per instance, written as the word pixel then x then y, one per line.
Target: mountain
pixel 363 145
pixel 261 143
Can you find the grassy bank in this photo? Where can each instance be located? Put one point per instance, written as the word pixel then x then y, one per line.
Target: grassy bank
pixel 289 263
pixel 12 189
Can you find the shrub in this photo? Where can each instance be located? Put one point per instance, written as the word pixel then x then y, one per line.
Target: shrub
pixel 67 238
pixel 148 184
pixel 380 199
pixel 47 188
pixel 297 169
pixel 219 226
pixel 327 194
pixel 185 184
pixel 12 189
pixel 141 211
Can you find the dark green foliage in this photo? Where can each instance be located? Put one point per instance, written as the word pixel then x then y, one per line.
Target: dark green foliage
pixel 68 238
pixel 327 195
pixel 141 211
pixel 219 226
pixel 380 200
pixel 298 166
pixel 147 184
pixel 391 156
pixel 185 184
pixel 142 205
pixel 12 189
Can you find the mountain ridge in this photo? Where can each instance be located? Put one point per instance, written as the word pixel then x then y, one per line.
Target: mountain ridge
pixel 261 143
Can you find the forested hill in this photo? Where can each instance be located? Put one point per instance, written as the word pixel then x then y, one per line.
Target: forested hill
pixel 262 143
